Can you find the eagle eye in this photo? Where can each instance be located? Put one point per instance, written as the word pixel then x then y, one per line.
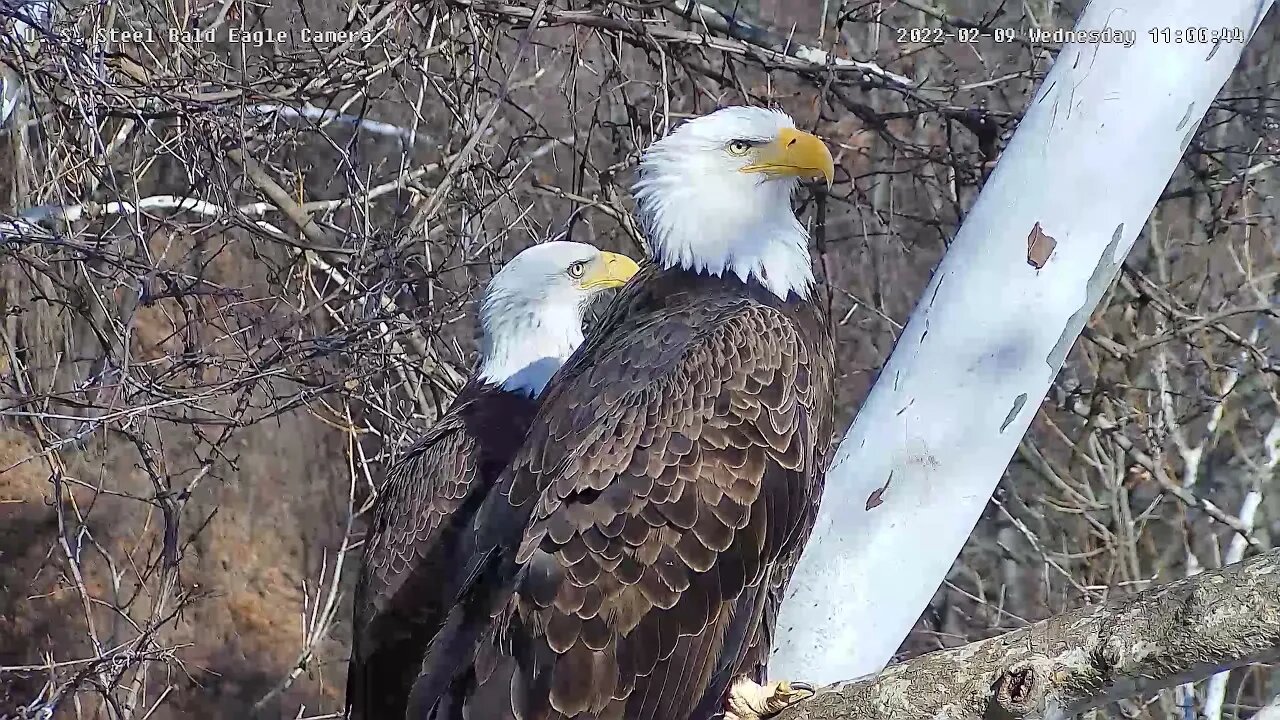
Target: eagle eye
pixel 738 147
pixel 577 268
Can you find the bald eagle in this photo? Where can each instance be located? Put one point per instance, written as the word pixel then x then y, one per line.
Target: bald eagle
pixel 629 562
pixel 531 321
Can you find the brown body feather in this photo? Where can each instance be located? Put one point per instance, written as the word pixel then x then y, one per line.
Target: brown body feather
pixel 431 491
pixel 632 557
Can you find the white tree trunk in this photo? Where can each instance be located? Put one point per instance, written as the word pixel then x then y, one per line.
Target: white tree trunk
pixel 1092 154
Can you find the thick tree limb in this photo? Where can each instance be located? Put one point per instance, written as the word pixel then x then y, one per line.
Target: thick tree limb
pixel 993 327
pixel 1065 665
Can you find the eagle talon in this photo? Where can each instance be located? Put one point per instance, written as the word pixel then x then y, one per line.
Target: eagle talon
pixel 748 700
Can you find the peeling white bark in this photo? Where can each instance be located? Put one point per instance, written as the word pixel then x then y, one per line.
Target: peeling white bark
pixel 1094 150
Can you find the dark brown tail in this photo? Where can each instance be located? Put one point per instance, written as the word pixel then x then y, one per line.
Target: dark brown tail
pixel 378 686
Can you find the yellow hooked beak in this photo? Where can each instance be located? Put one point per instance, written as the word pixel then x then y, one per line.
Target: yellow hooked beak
pixel 610 270
pixel 795 153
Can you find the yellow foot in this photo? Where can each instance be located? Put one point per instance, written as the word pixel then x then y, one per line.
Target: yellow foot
pixel 748 700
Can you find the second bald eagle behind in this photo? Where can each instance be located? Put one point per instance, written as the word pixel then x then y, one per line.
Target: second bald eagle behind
pixel 629 562
pixel 530 321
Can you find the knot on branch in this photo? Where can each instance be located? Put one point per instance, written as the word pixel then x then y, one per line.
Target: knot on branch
pixel 1021 689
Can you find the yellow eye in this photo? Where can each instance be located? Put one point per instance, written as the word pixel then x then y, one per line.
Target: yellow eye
pixel 738 147
pixel 577 268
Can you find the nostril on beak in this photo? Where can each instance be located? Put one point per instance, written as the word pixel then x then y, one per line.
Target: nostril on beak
pixel 793 142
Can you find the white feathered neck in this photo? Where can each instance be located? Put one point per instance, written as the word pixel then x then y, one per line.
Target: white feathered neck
pixel 700 213
pixel 524 345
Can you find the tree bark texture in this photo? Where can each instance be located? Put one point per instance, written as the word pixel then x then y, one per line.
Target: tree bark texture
pixel 1186 630
pixel 968 373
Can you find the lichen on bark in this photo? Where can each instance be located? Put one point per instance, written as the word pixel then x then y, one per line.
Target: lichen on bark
pixel 1186 630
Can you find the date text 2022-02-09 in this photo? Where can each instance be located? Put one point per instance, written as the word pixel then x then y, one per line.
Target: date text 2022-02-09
pixel 1190 35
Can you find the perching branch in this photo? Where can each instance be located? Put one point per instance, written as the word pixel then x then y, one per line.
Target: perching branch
pixel 1079 660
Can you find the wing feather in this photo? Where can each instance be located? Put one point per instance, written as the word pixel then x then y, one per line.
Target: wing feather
pixel 663 481
pixel 428 493
pixel 421 488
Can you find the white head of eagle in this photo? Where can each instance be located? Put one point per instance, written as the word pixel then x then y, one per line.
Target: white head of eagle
pixel 531 312
pixel 715 196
